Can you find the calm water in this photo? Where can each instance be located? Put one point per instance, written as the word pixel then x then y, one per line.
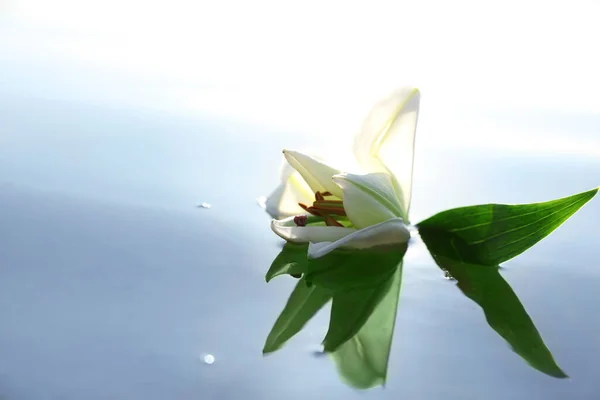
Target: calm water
pixel 113 285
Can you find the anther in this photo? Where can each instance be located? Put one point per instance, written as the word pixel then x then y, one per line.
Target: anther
pixel 319 202
pixel 328 210
pixel 310 210
pixel 329 221
pixel 314 211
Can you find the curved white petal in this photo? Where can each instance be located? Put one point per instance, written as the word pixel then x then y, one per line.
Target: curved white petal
pixel 386 140
pixel 368 199
pixel 283 201
pixel 286 229
pixel 285 171
pixel 392 231
pixel 315 172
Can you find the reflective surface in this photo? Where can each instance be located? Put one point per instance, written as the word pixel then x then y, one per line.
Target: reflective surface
pixel 114 285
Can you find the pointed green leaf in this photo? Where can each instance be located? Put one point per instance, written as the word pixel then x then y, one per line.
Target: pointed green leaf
pixel 291 260
pixel 302 305
pixel 360 284
pixel 350 310
pixel 494 233
pixel 501 306
pixel 362 361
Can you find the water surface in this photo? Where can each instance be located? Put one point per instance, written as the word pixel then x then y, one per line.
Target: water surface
pixel 114 285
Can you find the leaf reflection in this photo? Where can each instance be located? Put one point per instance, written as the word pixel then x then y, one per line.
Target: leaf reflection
pixel 501 306
pixel 364 287
pixel 362 361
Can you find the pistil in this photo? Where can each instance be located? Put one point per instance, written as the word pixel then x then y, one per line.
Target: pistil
pixel 300 220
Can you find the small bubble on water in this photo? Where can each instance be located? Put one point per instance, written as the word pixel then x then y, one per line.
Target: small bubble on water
pixel 205 205
pixel 208 359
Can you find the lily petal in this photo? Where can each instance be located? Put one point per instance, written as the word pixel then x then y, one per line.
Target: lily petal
pixel 287 229
pixel 392 231
pixel 386 140
pixel 283 201
pixel 315 172
pixel 368 199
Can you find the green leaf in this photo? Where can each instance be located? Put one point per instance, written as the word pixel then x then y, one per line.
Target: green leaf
pixel 365 286
pixel 501 306
pixel 363 360
pixel 360 283
pixel 350 310
pixel 343 269
pixel 494 233
pixel 291 260
pixel 302 305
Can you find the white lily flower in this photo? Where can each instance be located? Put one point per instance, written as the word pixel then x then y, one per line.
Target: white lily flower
pixel 371 208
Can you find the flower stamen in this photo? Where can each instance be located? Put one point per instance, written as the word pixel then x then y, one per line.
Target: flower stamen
pixel 328 210
pixel 314 211
pixel 329 221
pixel 323 208
pixel 310 210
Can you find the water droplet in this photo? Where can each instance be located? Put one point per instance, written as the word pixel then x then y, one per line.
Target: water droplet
pixel 205 205
pixel 316 350
pixel 318 353
pixel 448 276
pixel 208 359
pixel 262 201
